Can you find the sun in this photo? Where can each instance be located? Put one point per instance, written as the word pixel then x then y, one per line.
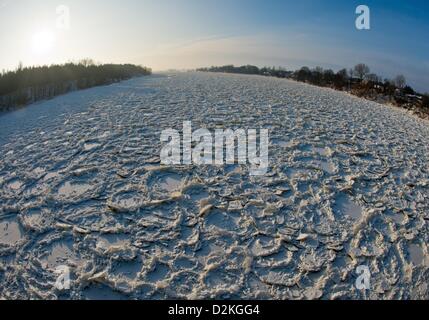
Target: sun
pixel 43 42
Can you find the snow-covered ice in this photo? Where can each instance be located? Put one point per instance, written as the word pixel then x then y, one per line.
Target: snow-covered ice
pixel 81 185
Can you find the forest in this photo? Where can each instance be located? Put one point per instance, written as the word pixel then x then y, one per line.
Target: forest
pixel 26 85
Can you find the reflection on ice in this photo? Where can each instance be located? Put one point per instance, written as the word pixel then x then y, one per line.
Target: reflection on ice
pixel 171 183
pixel 416 254
pixel 345 206
pixel 10 231
pixel 75 189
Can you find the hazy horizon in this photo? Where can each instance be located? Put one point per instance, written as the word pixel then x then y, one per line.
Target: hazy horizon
pixel 192 34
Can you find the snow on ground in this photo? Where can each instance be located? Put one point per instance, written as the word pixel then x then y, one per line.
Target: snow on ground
pixel 81 185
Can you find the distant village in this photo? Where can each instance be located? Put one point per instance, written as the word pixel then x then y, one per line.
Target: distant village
pixel 358 81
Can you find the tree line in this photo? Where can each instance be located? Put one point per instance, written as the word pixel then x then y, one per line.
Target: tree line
pixel 249 69
pixel 358 80
pixel 26 85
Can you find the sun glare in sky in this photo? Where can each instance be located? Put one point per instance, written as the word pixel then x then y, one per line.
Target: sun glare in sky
pixel 190 34
pixel 43 42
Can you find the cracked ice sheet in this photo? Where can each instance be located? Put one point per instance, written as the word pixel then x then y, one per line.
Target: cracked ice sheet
pixel 81 185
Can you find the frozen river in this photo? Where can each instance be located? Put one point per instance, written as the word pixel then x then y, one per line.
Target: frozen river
pixel 81 186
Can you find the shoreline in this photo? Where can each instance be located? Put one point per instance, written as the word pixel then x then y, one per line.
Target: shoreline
pixel 421 114
pixel 27 85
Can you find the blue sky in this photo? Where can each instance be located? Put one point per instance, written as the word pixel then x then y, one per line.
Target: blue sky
pixel 193 33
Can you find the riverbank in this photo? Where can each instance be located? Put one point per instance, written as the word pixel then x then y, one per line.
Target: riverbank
pixel 31 84
pixel 357 81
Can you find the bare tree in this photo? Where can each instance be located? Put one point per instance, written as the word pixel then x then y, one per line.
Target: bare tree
pixel 87 62
pixel 318 69
pixel 425 101
pixel 400 81
pixel 372 77
pixel 343 73
pixel 361 70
